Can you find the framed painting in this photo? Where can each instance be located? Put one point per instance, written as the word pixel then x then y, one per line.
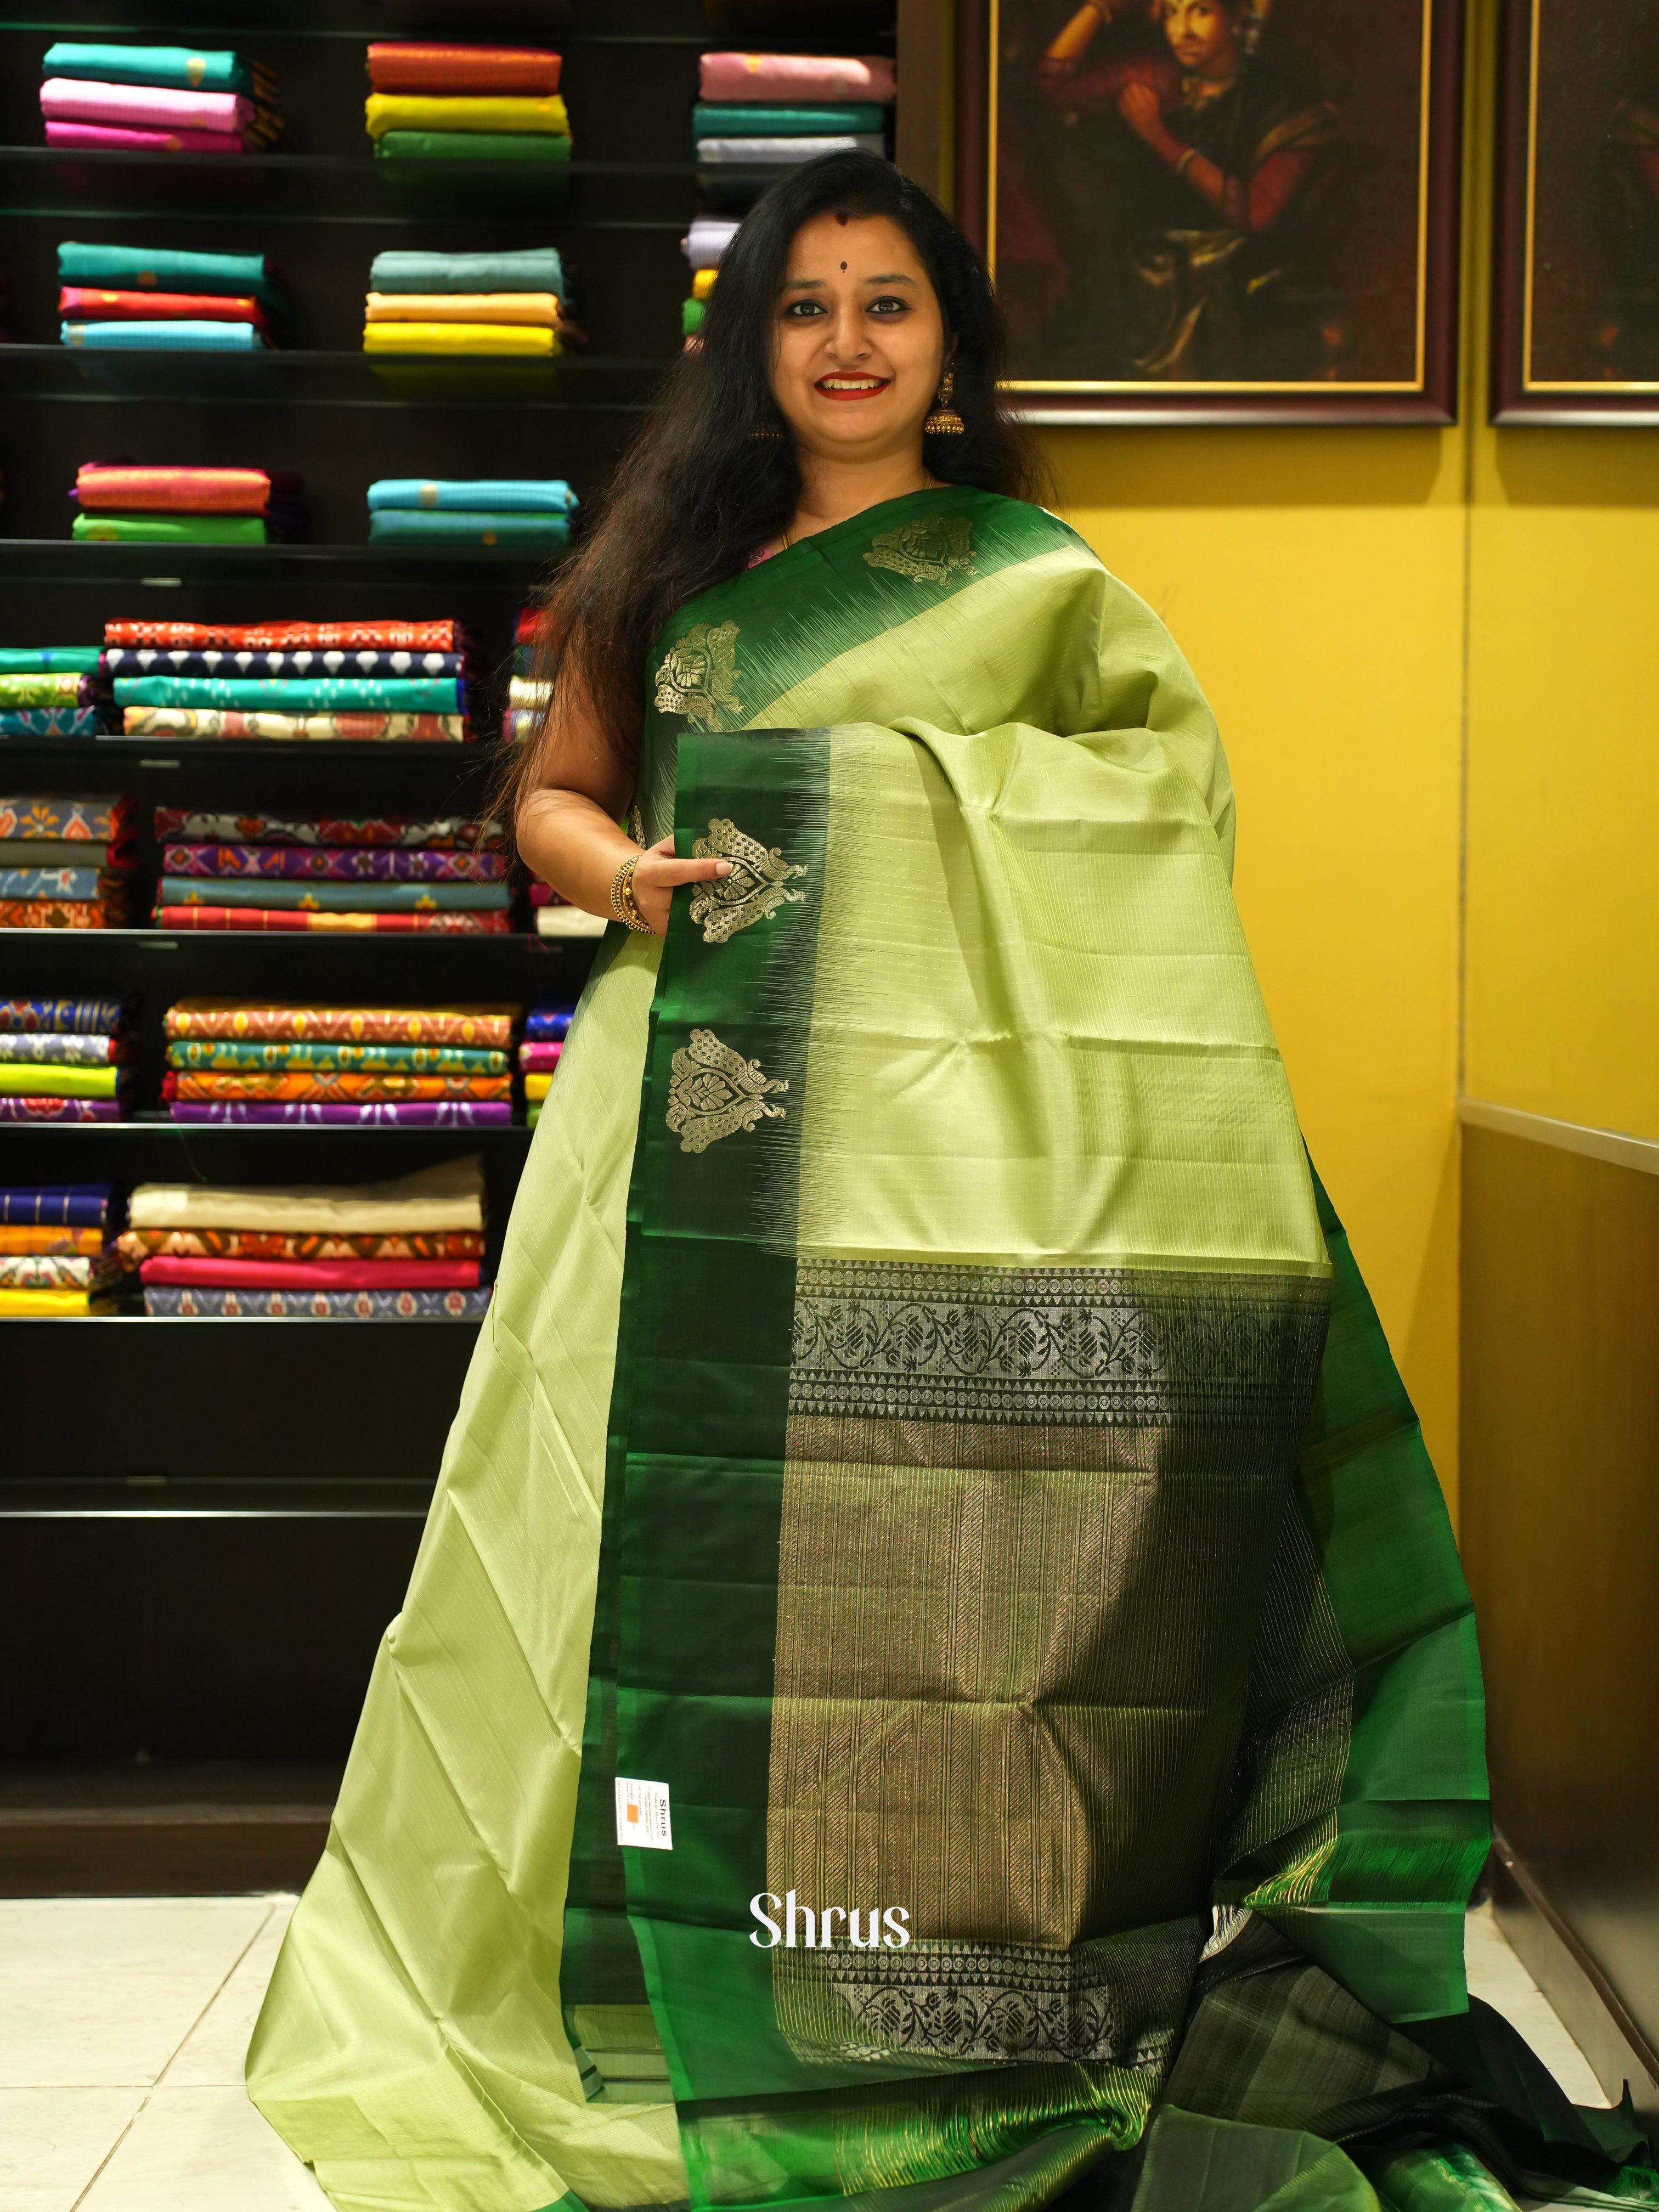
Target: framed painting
pixel 1218 211
pixel 1577 267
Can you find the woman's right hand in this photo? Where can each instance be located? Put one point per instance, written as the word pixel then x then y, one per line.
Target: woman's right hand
pixel 658 875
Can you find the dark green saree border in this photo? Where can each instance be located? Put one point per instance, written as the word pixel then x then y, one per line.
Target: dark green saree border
pixel 695 1478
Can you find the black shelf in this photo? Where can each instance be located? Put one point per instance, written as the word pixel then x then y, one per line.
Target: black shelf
pixel 155 1498
pixel 153 1125
pixel 328 377
pixel 23 555
pixel 213 1541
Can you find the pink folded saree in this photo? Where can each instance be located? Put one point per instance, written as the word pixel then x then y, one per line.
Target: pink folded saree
pixel 796 78
pixel 146 107
pixel 316 1274
pixel 105 137
pixel 103 488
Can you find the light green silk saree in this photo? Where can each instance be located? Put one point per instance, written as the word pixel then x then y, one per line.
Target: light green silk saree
pixel 937 1670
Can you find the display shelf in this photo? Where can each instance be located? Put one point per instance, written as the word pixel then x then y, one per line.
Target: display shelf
pixel 153 1125
pixel 331 187
pixel 75 560
pixel 157 1498
pixel 319 377
pixel 221 1532
pixel 94 754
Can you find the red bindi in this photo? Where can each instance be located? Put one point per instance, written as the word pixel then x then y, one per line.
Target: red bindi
pixel 841 219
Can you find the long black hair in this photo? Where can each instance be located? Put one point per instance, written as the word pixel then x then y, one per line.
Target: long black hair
pixel 699 490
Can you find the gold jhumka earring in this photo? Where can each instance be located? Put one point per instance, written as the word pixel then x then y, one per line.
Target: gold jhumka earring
pixel 945 422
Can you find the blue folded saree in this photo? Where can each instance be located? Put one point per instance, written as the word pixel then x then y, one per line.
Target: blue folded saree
pixel 49 659
pixel 473 495
pixel 48 722
pixel 179 334
pixel 298 694
pixel 75 885
pixel 464 528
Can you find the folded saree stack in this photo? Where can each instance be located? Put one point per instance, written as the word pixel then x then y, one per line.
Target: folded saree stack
pixel 118 501
pixel 122 298
pixel 461 102
pixel 533 512
pixel 56 1259
pixel 173 99
pixel 527 693
pixel 63 1059
pixel 388 875
pixel 65 862
pixel 556 917
pixel 49 690
pixel 544 1031
pixel 465 303
pixel 446 1067
pixel 412 1249
pixel 703 246
pixel 757 114
pixel 354 680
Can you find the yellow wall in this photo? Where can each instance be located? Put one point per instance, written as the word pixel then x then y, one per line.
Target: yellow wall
pixel 1562 985
pixel 1314 578
pixel 1434 661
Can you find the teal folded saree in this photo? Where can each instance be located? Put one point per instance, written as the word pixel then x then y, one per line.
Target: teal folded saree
pixel 169 269
pixel 298 694
pixel 529 269
pixel 938 1667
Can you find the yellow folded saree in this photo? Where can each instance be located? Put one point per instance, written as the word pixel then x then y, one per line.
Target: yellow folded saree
pixel 412 111
pixel 536 308
pixel 41 1305
pixel 518 339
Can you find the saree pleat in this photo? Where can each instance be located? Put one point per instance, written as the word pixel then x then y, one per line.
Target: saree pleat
pixel 931 1467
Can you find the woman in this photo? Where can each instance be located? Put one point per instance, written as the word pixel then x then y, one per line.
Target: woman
pixel 1204 161
pixel 923 1657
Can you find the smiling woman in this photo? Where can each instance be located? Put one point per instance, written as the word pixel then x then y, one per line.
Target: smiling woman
pixel 844 302
pixel 931 1441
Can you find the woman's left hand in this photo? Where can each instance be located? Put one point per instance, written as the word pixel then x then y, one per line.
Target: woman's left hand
pixel 658 875
pixel 1142 110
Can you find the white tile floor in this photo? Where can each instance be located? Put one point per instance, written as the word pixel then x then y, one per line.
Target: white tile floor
pixel 124 2021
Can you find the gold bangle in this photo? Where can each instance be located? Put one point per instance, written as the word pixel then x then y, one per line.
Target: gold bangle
pixel 1191 154
pixel 622 898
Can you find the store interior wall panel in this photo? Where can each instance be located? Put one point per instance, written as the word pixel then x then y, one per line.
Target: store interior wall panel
pixel 1560 1530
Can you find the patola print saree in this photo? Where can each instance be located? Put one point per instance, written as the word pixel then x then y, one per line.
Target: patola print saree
pixel 938 1673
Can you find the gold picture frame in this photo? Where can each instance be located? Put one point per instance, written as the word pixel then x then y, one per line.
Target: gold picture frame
pixel 1576 292
pixel 1223 247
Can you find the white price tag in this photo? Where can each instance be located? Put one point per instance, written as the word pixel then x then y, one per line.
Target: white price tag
pixel 642 1815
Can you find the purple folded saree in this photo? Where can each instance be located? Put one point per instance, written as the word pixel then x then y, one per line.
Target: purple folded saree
pixel 14 1107
pixel 334 864
pixel 415 1114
